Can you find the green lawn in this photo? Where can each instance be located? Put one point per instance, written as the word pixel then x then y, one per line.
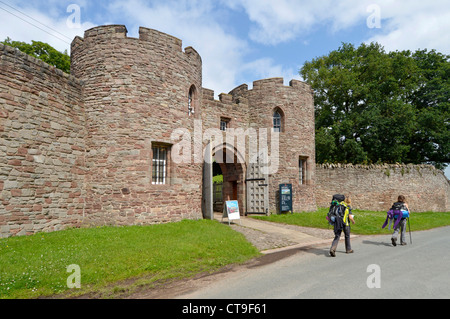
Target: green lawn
pixel 34 266
pixel 366 222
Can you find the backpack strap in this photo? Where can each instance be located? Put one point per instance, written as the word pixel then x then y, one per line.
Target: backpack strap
pixel 346 213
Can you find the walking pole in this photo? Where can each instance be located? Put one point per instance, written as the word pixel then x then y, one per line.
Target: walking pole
pixel 409 226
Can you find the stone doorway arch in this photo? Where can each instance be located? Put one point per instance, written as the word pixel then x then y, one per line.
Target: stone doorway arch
pixel 233 166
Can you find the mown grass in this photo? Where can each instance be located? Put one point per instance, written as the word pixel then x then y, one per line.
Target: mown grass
pixel 36 265
pixel 366 222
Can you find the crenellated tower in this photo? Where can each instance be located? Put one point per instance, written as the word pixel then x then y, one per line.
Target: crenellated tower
pixel 137 91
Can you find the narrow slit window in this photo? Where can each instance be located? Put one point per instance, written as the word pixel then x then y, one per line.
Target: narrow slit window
pixel 302 170
pixel 192 96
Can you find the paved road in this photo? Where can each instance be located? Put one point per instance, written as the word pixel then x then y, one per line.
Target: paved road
pixel 420 270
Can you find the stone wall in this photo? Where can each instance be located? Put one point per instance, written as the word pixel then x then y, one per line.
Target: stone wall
pixel 376 187
pixel 78 150
pixel 42 146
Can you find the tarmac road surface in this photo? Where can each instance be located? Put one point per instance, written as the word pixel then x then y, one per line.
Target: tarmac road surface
pixel 375 270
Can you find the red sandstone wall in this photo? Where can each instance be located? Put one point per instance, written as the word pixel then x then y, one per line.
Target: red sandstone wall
pixel 77 150
pixel 136 94
pixel 376 187
pixel 41 146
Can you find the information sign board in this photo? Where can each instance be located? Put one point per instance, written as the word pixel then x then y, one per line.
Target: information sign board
pixel 285 198
pixel 231 210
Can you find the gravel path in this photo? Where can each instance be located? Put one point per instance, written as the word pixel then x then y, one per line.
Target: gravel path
pixel 264 241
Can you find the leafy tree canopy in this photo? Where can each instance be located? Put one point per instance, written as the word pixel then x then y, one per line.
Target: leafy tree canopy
pixel 373 107
pixel 44 52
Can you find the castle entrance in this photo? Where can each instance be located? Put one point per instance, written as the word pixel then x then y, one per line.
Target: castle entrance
pixel 231 166
pixel 234 180
pixel 228 161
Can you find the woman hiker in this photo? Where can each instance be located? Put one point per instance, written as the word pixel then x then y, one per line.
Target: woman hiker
pixel 402 206
pixel 345 226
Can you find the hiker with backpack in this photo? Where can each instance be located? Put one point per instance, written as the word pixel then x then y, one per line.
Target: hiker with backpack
pixel 401 213
pixel 339 215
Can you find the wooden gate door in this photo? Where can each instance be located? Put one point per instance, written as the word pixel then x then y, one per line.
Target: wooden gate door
pixel 257 182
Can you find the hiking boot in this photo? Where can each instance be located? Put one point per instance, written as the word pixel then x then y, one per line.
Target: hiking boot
pixel 332 253
pixel 394 241
pixel 349 251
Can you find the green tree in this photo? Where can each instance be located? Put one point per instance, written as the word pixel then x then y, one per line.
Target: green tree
pixel 432 100
pixel 372 106
pixel 44 52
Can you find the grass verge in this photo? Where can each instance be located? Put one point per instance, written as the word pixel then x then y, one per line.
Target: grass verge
pixel 36 266
pixel 366 222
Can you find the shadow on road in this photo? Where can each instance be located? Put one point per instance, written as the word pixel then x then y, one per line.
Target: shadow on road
pixel 377 243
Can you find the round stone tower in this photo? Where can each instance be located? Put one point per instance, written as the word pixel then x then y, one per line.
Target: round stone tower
pixel 289 111
pixel 137 92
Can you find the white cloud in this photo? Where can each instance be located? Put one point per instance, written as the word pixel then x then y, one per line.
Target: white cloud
pixel 284 20
pixel 26 23
pixel 405 24
pixel 417 25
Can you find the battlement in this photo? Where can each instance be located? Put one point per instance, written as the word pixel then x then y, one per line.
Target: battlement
pixel 279 82
pixel 240 93
pixel 159 38
pixel 151 36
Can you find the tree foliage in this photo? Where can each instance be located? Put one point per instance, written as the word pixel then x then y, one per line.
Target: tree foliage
pixel 44 52
pixel 372 106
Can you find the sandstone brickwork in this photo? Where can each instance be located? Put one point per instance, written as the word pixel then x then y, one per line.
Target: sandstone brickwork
pixel 253 109
pixel 376 187
pixel 135 95
pixel 42 149
pixel 79 150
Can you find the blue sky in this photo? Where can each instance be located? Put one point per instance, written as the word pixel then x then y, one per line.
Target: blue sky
pixel 241 41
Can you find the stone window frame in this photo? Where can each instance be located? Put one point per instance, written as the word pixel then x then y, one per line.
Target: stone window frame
pixel 224 123
pixel 303 170
pixel 278 120
pixel 160 163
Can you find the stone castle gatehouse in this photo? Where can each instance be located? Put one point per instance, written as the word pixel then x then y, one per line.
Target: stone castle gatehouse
pixel 131 135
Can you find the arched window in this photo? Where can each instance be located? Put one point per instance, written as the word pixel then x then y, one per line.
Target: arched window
pixel 278 120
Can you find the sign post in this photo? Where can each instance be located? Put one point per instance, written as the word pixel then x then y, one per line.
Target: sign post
pixel 231 211
pixel 286 198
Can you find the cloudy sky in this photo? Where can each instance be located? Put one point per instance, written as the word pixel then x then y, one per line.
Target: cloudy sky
pixel 241 40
